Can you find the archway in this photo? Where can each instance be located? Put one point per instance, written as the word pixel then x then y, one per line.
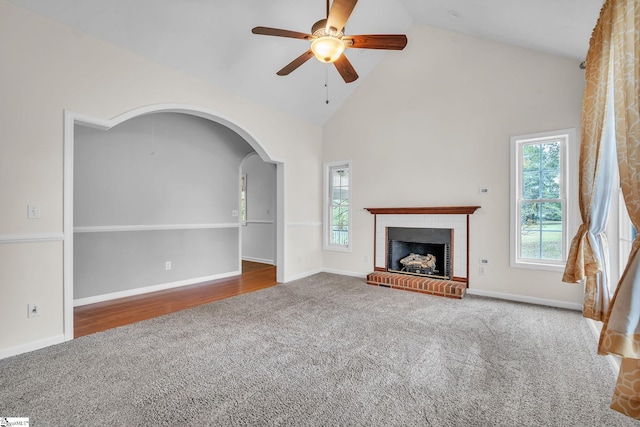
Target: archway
pixel 72 119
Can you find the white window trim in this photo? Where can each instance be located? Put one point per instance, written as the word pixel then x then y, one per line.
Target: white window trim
pixel 624 238
pixel 243 220
pixel 566 175
pixel 326 209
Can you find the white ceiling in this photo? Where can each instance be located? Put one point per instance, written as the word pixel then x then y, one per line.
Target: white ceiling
pixel 212 40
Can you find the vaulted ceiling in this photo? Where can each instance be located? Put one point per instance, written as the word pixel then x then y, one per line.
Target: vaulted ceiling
pixel 212 40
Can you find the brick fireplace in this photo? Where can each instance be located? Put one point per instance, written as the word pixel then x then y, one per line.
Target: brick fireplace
pixel 422 249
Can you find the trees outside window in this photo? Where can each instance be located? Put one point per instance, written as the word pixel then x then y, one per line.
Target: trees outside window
pixel 539 191
pixel 337 230
pixel 243 199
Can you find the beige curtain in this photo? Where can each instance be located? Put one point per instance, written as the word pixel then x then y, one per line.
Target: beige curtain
pixel 621 329
pixel 613 88
pixel 583 262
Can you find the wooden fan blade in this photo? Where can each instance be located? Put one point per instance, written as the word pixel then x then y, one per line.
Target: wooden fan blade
pixel 266 31
pixel 376 41
pixel 339 13
pixel 345 69
pixel 296 63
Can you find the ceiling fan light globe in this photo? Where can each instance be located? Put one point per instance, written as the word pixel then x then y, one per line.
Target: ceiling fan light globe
pixel 327 48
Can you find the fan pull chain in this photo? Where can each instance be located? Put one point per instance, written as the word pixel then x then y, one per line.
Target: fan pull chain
pixel 326 82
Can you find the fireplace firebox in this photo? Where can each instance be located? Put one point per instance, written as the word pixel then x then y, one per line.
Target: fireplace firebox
pixel 420 251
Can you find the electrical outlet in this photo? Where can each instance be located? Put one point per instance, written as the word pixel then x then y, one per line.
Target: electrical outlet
pixel 33 309
pixel 483 270
pixel 167 265
pixel 234 213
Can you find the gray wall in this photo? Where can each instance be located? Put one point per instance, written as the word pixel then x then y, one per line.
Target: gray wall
pixel 172 173
pixel 259 232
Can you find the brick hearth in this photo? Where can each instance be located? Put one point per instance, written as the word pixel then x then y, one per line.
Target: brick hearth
pixel 455 218
pixel 447 288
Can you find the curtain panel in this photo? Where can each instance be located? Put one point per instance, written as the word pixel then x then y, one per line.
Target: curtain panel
pixel 611 105
pixel 621 329
pixel 610 108
pixel 584 262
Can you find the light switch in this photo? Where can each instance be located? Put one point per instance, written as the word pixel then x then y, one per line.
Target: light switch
pixel 33 212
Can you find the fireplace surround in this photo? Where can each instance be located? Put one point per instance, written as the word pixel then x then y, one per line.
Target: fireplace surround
pixel 439 232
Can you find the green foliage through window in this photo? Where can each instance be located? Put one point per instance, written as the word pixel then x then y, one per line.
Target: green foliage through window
pixel 541 206
pixel 243 198
pixel 339 205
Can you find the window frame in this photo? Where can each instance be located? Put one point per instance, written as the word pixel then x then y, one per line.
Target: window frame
pixel 626 235
pixel 327 217
pixel 566 137
pixel 243 199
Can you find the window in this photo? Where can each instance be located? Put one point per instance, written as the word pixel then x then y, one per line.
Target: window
pixel 243 199
pixel 539 194
pixel 337 228
pixel 627 234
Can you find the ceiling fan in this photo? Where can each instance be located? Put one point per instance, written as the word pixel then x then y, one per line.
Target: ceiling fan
pixel 328 40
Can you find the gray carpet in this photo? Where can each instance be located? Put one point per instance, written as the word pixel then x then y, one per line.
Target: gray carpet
pixel 325 350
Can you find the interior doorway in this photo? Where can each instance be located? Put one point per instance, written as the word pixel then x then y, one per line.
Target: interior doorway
pixel 74 119
pixel 258 209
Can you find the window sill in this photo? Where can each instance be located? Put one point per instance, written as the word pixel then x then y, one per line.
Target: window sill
pixel 337 248
pixel 538 266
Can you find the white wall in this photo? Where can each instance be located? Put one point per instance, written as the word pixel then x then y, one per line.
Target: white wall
pixel 453 98
pixel 46 69
pixel 259 231
pixel 431 125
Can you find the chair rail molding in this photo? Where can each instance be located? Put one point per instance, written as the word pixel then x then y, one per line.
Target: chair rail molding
pixel 31 238
pixel 150 227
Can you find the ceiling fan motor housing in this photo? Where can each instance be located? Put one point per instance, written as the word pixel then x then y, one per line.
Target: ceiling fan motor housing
pixel 321 29
pixel 327 45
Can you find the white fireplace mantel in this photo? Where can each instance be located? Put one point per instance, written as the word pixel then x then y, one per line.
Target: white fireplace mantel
pixel 453 217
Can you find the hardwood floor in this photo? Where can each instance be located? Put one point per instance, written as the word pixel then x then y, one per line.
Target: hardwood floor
pixel 101 316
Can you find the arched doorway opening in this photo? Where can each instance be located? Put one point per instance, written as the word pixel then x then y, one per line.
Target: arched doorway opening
pixel 74 119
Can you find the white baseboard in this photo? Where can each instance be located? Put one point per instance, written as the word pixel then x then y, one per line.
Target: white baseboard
pixel 260 260
pixel 154 288
pixel 345 273
pixel 522 298
pixel 302 275
pixel 34 345
pixel 498 295
pixel 325 270
pixel 614 361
